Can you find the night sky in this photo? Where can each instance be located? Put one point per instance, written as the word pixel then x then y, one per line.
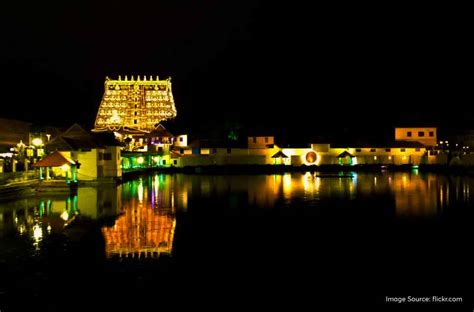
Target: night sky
pixel 275 67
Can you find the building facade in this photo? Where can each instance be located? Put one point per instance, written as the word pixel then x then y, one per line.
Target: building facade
pixel 426 136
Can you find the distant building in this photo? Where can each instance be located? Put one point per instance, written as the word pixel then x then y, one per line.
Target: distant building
pixel 264 151
pixel 260 141
pixel 426 136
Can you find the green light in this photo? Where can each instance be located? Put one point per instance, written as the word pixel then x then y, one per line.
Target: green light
pixel 68 203
pixel 74 204
pixel 41 208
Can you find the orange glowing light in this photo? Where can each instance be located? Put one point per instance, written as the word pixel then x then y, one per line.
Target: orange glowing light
pixel 311 157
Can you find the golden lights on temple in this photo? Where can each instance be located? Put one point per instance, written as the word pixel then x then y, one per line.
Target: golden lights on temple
pixel 135 105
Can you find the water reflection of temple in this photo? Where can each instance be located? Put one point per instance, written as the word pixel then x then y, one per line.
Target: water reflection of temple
pixel 146 227
pixel 140 232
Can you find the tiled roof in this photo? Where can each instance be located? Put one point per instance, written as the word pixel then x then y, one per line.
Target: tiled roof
pixel 76 138
pixel 345 154
pixel 55 159
pixel 279 154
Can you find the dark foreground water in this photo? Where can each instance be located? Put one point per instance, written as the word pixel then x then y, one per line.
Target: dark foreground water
pixel 237 242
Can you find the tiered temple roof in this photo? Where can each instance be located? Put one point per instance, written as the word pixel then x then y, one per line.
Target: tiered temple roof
pixel 135 105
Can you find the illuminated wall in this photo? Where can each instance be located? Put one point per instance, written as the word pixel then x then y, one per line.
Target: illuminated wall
pixel 426 136
pixel 181 140
pixel 135 105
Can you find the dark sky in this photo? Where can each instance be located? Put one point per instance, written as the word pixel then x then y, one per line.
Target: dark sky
pixel 285 66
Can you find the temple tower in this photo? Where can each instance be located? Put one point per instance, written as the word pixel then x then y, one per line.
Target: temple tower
pixel 135 105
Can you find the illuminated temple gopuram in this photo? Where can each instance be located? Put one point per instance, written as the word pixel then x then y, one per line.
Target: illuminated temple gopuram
pixel 135 106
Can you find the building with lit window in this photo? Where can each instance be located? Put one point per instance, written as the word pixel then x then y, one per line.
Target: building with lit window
pixel 97 154
pixel 426 136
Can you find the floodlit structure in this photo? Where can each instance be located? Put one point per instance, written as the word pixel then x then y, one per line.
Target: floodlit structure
pixel 135 106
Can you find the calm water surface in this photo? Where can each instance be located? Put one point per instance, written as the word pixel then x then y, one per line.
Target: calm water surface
pixel 272 240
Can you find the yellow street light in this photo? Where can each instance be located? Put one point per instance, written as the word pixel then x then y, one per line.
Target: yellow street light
pixel 37 142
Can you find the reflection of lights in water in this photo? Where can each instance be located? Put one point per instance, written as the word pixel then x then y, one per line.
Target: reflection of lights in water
pixel 172 199
pixel 317 183
pixel 156 184
pixel 375 181
pixel 21 228
pixel 152 199
pixel 65 215
pixel 447 195
pixel 307 181
pixel 140 191
pixel 287 183
pixel 276 183
pixel 184 197
pixel 354 160
pixel 354 179
pixel 37 234
pixel 441 197
pixel 465 192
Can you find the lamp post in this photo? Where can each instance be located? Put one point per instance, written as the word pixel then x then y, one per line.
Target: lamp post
pixel 38 143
